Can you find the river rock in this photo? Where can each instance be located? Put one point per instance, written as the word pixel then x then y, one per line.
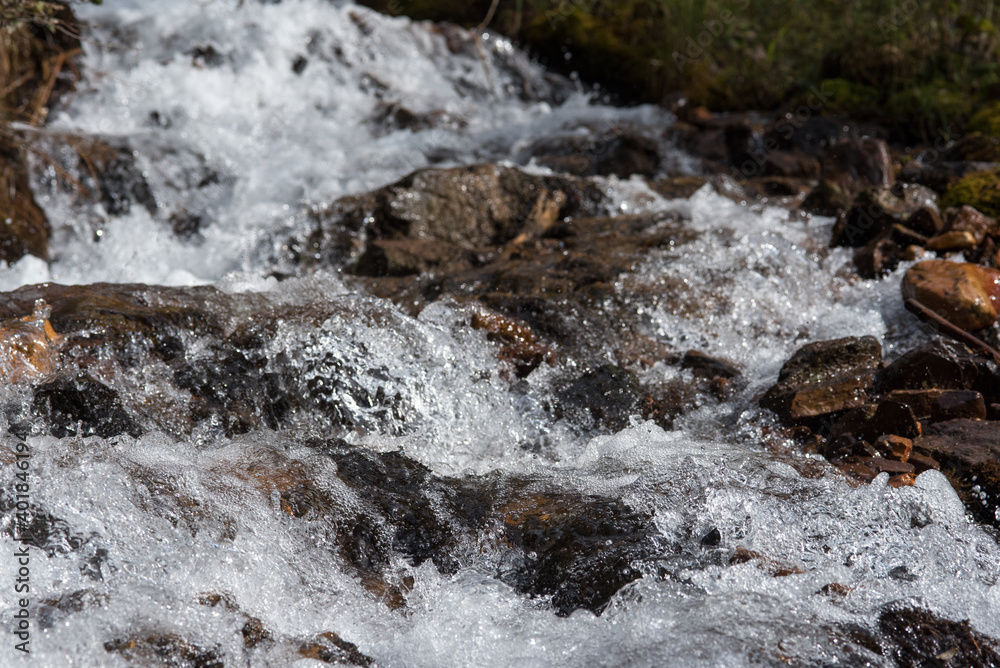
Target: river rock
pixel 24 228
pixel 969 453
pixel 82 406
pixel 976 224
pixel 876 210
pixel 955 240
pixel 847 168
pixel 29 346
pixel 926 220
pixel 824 378
pixel 938 364
pixel 470 208
pixel 164 649
pixel 964 294
pixel 918 637
pixel 618 151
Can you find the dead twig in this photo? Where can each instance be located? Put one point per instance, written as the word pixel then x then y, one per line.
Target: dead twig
pixel 479 44
pixel 955 332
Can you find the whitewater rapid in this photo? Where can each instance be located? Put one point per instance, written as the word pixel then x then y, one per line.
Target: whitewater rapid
pixel 226 123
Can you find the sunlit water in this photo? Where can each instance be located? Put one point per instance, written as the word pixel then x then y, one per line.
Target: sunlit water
pixel 278 141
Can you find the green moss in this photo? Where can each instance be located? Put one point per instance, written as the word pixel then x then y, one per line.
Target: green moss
pixel 978 189
pixel 848 97
pixel 987 120
pixel 929 110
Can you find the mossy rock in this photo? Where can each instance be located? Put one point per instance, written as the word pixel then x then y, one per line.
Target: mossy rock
pixel 986 120
pixel 980 190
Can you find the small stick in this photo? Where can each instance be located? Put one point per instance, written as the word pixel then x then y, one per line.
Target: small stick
pixel 479 44
pixel 955 332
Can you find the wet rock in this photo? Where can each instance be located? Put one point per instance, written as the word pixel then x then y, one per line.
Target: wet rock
pixel 29 346
pixel 111 174
pixel 920 638
pixel 853 421
pixel 890 466
pixel 331 648
pixel 468 207
pixel 38 528
pixel 164 650
pixel 578 551
pixel 607 395
pixel 964 294
pixel 678 187
pixel 895 447
pixel 708 367
pixel 848 168
pixel 976 224
pixel 969 454
pixel 891 417
pixel 616 151
pixel 876 210
pixel 519 344
pixel 958 404
pixel 82 406
pixel 939 364
pixel 926 221
pixel 879 257
pixel 24 228
pixel 952 241
pixel 574 548
pixel 404 257
pixel 923 462
pixel 859 163
pixel 824 378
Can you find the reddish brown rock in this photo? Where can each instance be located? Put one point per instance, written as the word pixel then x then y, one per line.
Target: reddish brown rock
pixel 926 221
pixel 24 229
pixel 971 221
pixel 939 405
pixel 29 347
pixel 896 447
pixel 958 404
pixel 903 480
pixel 876 210
pixel 923 462
pixel 969 453
pixel 964 294
pixel 824 378
pixel 938 364
pixel 955 240
pixel 890 466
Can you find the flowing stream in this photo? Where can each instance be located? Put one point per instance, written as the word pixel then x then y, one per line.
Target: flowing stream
pixel 241 117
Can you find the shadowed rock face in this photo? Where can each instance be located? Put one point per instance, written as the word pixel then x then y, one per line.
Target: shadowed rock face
pixel 824 378
pixel 577 549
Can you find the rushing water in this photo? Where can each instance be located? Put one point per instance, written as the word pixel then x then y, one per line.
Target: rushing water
pixel 286 111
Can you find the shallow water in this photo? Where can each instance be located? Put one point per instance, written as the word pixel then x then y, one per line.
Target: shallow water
pixel 239 139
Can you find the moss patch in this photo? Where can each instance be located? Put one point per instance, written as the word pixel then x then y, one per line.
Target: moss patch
pixel 978 189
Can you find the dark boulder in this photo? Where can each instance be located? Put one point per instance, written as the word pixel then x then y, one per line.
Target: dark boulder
pixel 824 378
pixel 969 453
pixel 82 406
